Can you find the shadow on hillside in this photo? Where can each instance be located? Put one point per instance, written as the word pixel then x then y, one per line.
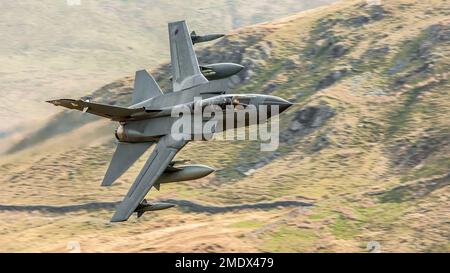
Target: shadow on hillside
pixel 184 205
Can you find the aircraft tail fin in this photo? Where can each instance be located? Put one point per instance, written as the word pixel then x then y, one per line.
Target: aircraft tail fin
pixel 145 87
pixel 124 156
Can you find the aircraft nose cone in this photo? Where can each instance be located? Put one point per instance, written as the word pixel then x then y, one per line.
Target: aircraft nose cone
pixel 281 103
pixel 284 105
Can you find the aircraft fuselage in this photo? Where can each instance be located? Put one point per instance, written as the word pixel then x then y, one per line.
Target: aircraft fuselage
pixel 237 110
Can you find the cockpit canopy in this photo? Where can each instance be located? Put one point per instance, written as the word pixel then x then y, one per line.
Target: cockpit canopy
pixel 229 100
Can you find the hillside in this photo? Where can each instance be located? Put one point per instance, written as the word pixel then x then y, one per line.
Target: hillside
pixel 52 48
pixel 364 155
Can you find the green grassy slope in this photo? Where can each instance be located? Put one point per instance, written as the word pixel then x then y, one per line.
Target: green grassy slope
pixel 367 144
pixel 53 49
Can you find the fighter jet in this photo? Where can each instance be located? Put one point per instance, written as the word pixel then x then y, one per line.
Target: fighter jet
pixel 149 120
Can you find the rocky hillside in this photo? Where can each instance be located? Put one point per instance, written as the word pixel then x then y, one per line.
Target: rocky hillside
pixel 365 153
pixel 68 47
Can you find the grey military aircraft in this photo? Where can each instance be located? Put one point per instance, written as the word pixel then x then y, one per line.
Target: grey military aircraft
pixel 148 120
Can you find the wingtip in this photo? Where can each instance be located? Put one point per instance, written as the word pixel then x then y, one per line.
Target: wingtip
pixel 107 181
pixel 122 214
pixel 54 102
pixel 105 184
pixel 57 102
pixel 117 218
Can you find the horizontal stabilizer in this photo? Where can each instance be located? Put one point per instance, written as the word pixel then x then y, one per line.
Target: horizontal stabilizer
pixel 145 87
pixel 124 156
